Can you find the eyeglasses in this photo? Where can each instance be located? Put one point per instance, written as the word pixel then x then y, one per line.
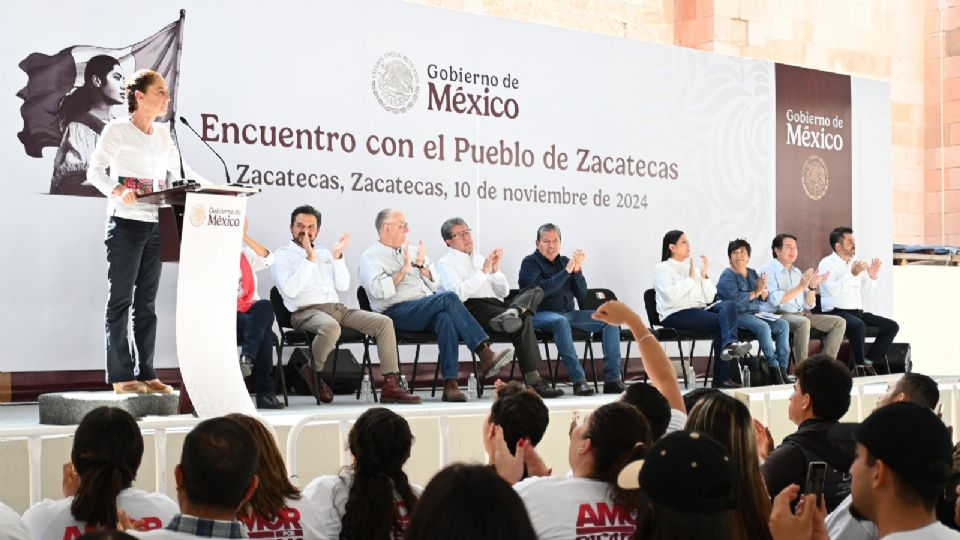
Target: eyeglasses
pixel 462 234
pixel 402 224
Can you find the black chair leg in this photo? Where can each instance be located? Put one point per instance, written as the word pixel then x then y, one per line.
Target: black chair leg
pixel 283 378
pixel 626 362
pixel 588 351
pixel 416 358
pixel 336 355
pixel 436 375
pixel 551 369
pixel 316 378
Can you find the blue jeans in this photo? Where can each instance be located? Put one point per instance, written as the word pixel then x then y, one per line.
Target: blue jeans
pixel 767 332
pixel 255 334
pixel 445 315
pixel 721 321
pixel 560 324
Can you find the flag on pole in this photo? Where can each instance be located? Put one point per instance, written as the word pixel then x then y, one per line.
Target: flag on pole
pixel 50 78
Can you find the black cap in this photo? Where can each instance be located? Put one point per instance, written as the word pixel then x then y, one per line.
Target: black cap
pixel 686 471
pixel 905 436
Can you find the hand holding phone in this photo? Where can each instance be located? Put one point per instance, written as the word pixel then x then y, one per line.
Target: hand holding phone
pixel 816 474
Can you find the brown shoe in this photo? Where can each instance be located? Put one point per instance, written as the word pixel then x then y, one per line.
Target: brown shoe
pixel 452 393
pixel 323 394
pixel 491 362
pixel 135 387
pixel 157 387
pixel 393 392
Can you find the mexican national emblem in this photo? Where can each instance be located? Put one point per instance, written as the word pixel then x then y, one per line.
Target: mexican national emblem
pixel 198 215
pixel 815 178
pixel 395 82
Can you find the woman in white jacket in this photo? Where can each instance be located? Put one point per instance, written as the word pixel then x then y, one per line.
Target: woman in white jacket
pixel 685 301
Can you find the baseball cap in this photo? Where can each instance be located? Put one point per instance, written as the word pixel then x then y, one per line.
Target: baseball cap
pixel 686 471
pixel 907 437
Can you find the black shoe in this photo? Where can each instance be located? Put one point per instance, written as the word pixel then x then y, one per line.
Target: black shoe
pixel 866 371
pixel 582 389
pixel 544 390
pixel 786 376
pixel 614 387
pixel 508 322
pixel 268 401
pixel 729 385
pixel 246 365
pixel 776 376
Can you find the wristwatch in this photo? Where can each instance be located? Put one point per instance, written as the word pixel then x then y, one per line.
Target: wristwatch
pixel 417 266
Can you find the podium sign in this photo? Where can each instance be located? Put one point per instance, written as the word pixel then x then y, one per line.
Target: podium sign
pixel 207 303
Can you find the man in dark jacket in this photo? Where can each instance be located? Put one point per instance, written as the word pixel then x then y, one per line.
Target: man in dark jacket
pixel 561 279
pixel 821 396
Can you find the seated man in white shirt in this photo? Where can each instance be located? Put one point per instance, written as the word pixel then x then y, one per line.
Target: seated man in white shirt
pixel 308 279
pixel 842 295
pixel 793 294
pixel 401 286
pixel 482 287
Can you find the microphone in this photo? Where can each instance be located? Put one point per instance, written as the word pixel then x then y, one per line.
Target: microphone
pixel 225 169
pixel 176 142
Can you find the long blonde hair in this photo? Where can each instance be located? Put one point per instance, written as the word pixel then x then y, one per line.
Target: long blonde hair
pixel 729 421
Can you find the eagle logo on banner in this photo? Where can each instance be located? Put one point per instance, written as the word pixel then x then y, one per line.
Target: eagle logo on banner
pixel 70 97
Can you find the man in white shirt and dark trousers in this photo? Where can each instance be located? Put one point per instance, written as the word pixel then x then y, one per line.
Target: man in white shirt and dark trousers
pixel 793 294
pixel 401 285
pixel 842 295
pixel 482 287
pixel 308 279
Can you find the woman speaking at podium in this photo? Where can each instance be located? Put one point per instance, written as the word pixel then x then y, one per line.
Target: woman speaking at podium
pixel 131 159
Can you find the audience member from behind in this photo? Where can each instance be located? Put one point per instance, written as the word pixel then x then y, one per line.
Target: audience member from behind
pixel 686 489
pixel 216 479
pixel 691 398
pixel 912 388
pixel 904 456
pixel 589 502
pixel 372 498
pixel 106 454
pixel 11 526
pixel 728 420
pixel 469 502
pixel 277 504
pixel 661 401
pixel 821 396
pixel 518 416
pixel 107 535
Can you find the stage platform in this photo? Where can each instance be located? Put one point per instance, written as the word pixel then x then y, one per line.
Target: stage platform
pixel 313 438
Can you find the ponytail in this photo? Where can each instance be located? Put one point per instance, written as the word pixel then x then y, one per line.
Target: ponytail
pixel 107 449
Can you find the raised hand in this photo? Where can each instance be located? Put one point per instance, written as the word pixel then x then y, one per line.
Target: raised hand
pixel 421 253
pixel 535 464
pixel 498 253
pixel 341 245
pixel 858 266
pixel 874 269
pixel 614 313
pixel 704 266
pixel 307 246
pixel 807 278
pixel 817 280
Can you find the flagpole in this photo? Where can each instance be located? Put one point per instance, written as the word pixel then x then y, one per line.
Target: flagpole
pixel 176 69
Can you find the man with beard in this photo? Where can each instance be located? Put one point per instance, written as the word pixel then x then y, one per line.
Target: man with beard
pixel 308 279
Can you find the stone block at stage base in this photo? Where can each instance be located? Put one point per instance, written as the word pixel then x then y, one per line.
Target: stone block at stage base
pixel 68 408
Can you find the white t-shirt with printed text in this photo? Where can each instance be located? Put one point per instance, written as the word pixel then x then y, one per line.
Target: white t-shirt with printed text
pixel 564 508
pixel 328 496
pixel 298 520
pixel 52 520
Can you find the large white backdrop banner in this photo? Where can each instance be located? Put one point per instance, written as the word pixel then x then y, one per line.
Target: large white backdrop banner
pixel 354 106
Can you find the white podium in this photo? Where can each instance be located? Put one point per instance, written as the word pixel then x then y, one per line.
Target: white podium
pixel 207 244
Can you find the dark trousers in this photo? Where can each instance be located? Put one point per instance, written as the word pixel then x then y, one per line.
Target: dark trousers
pixel 721 321
pixel 857 323
pixel 256 339
pixel 133 273
pixel 524 341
